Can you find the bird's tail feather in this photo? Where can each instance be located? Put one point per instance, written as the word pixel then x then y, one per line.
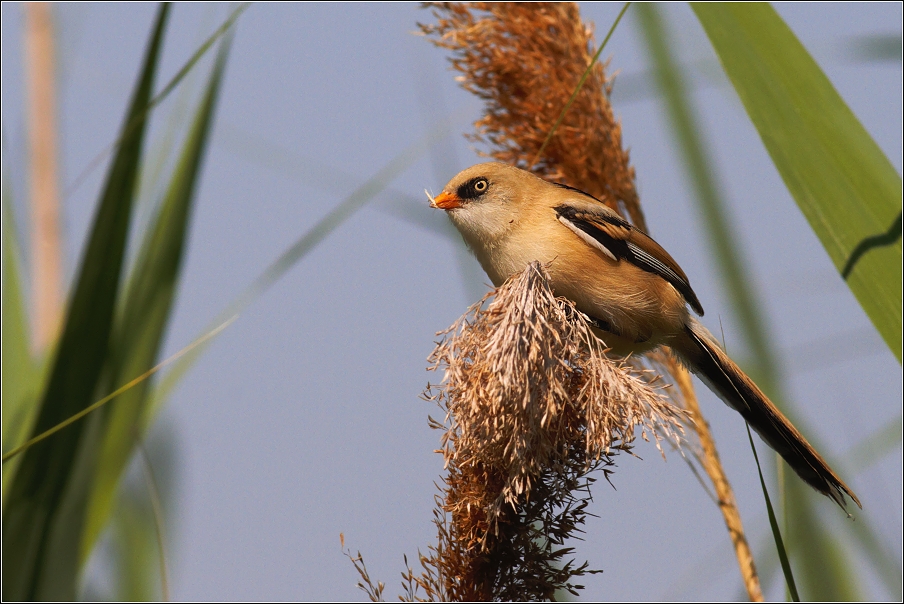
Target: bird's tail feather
pixel 707 360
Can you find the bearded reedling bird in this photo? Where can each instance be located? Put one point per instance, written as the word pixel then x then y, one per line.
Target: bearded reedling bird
pixel 633 292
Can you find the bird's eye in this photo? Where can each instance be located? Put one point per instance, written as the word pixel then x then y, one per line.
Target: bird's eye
pixel 474 188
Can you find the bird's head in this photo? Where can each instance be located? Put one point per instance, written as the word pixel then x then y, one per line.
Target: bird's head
pixel 484 201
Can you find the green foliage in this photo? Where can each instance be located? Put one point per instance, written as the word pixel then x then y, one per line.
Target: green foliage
pixel 851 196
pixel 145 313
pixel 106 439
pixel 59 496
pixel 20 372
pixel 43 514
pixel 761 57
pixel 843 183
pixel 59 493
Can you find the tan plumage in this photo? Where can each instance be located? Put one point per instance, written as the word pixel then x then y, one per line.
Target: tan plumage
pixel 632 289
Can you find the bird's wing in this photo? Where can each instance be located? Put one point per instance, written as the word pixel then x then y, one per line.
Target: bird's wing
pixel 611 234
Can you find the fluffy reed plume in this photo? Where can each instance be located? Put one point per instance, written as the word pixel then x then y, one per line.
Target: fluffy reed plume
pixel 532 406
pixel 525 61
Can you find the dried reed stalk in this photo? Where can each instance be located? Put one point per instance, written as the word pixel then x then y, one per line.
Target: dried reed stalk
pixel 724 494
pixel 47 271
pixel 525 61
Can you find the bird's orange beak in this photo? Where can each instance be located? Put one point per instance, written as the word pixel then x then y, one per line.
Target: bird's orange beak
pixel 446 201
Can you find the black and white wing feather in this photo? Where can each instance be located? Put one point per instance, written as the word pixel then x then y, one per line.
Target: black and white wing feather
pixel 606 231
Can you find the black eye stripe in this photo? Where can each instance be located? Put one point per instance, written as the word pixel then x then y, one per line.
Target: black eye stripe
pixel 474 188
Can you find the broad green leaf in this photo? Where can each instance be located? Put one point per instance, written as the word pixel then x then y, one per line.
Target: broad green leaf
pixel 842 182
pixel 20 375
pixel 145 312
pixel 41 519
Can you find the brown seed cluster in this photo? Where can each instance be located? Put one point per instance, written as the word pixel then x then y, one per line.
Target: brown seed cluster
pixel 532 406
pixel 525 61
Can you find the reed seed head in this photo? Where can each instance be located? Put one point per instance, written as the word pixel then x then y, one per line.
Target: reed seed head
pixel 532 406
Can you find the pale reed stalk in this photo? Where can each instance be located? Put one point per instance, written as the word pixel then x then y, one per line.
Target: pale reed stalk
pixel 47 272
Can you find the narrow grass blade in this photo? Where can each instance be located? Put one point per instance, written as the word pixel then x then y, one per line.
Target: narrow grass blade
pixel 224 29
pixel 823 556
pixel 144 314
pixel 827 575
pixel 826 571
pixel 41 533
pixel 846 187
pixel 773 523
pixel 20 383
pixel 122 389
pixel 881 560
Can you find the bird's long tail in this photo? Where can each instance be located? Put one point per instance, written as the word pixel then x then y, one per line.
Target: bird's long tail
pixel 707 360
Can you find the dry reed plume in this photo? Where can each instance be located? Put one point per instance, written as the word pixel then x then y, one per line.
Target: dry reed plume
pixel 525 61
pixel 532 404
